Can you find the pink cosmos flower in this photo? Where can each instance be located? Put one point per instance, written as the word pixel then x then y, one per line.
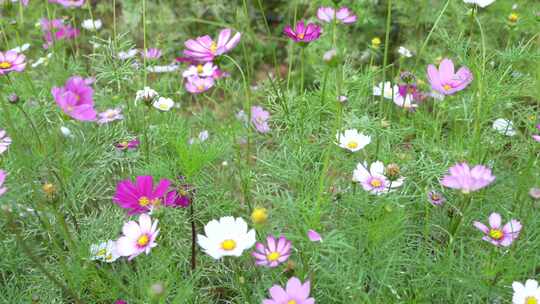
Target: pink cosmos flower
pixel 3 175
pixel 151 53
pixel 11 61
pixel 181 197
pixel 259 118
pixel 314 236
pixel 536 136
pixel 110 115
pixel 5 141
pixel 197 85
pixel 343 15
pixel 68 3
pixel 75 98
pixel 407 96
pixel 201 70
pixel 120 302
pixel 138 237
pixel 294 293
pixel 435 198
pixel 56 30
pixel 445 81
pixel 497 235
pixel 275 252
pixel 141 196
pixel 204 49
pixel 303 33
pixel 374 180
pixel 461 176
pixel 128 145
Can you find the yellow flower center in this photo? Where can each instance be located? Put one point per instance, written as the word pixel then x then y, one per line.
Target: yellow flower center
pixel 301 35
pixel 513 17
pixel 124 144
pixel 531 300
pixel 259 215
pixel 199 69
pixel 108 257
pixel 101 252
pixel 200 88
pixel 273 256
pixel 163 106
pixel 143 240
pixel 70 108
pixel 496 234
pixel 435 197
pixel 447 87
pixel 228 245
pixel 375 183
pixel 213 47
pixel 291 302
pixel 5 65
pixel 144 201
pixel 352 145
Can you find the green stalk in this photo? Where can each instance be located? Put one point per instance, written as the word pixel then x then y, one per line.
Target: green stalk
pixel 386 47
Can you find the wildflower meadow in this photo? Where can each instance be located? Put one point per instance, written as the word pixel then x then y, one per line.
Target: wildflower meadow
pixel 269 151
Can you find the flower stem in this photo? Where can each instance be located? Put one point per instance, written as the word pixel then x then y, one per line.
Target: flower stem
pixel 323 97
pixel 385 56
pixel 193 236
pixel 302 70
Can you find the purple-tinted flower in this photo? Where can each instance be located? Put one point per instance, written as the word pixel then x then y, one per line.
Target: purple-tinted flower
pixel 110 115
pixel 3 175
pixel 407 96
pixel 374 180
pixel 435 198
pixel 68 3
pixel 536 136
pixel 11 61
pixel 314 236
pixel 303 33
pixel 5 141
pixel 461 176
pixel 56 30
pixel 275 252
pixel 141 196
pixel 201 70
pixel 343 15
pixel 445 81
pixel 197 85
pixel 497 234
pixel 534 193
pixel 259 118
pixel 75 98
pixel 294 293
pixel 151 53
pixel 138 237
pixel 127 145
pixel 181 197
pixel 219 73
pixel 120 302
pixel 204 48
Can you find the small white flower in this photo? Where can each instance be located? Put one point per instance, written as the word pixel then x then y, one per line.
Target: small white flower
pixel 127 54
pixel 343 98
pixel 403 51
pixel 163 104
pixel 105 252
pixel 163 68
pixel 526 294
pixel 330 55
pixel 226 237
pixel 504 127
pixel 241 116
pixel 21 48
pixel 92 25
pixel 66 132
pixel 42 60
pixel 206 70
pixel 146 94
pixel 352 140
pixel 203 135
pixel 481 3
pixel 388 91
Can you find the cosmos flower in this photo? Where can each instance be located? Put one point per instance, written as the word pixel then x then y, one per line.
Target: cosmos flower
pixel 504 127
pixel 151 53
pixel 407 96
pixel 435 198
pixel 226 237
pixel 201 70
pixel 314 236
pixel 68 3
pixel 273 253
pixel 66 132
pixel 374 180
pixel 110 115
pixel 445 81
pixel 147 95
pixel 75 98
pixel 3 175
pixel 127 145
pixel 386 89
pixel 461 176
pixel 163 68
pixel 403 51
pixel 163 104
pixel 526 294
pixel 342 15
pixel 21 48
pixel 202 137
pixel 259 118
pixel 138 237
pixel 92 25
pixel 536 136
pixel 481 3
pixel 303 33
pixel 534 193
pixel 56 30
pixel 497 234
pixel 11 61
pixel 352 140
pixel 105 252
pixel 204 49
pixel 141 196
pixel 197 85
pixel 294 293
pixel 5 141
pixel 125 55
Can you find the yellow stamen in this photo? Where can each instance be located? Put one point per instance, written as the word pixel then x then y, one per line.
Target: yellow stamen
pixel 228 245
pixel 376 183
pixel 513 17
pixel 144 201
pixel 163 106
pixel 124 144
pixel 200 88
pixel 143 240
pixel 496 234
pixel 273 256
pixel 5 65
pixel 213 47
pixel 352 145
pixel 447 87
pixel 101 252
pixel 291 302
pixel 301 35
pixel 199 69
pixel 531 300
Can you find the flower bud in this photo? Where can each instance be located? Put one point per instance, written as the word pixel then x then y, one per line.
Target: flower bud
pixel 259 216
pixel 49 190
pixel 157 289
pixel 13 98
pixel 392 172
pixel 376 42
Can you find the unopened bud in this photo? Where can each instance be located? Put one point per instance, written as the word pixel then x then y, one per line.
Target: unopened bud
pixel 13 98
pixel 392 172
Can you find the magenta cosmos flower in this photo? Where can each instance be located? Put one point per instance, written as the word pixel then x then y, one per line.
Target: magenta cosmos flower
pixel 75 98
pixel 497 234
pixel 204 48
pixel 197 85
pixel 536 136
pixel 303 33
pixel 5 141
pixel 11 61
pixel 273 253
pixel 3 175
pixel 181 197
pixel 461 176
pixel 445 81
pixel 127 145
pixel 343 15
pixel 141 196
pixel 259 118
pixel 314 236
pixel 151 53
pixel 294 293
pixel 138 237
pixel 435 198
pixel 68 3
pixel 56 30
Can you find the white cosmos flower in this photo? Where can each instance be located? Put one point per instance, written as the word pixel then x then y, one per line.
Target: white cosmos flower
pixel 66 132
pixel 105 251
pixel 403 51
pixel 206 70
pixel 525 294
pixel 146 94
pixel 163 68
pixel 352 140
pixel 92 25
pixel 127 54
pixel 373 180
pixel 163 104
pixel 42 60
pixel 504 127
pixel 226 237
pixel 21 48
pixel 388 91
pixel 481 3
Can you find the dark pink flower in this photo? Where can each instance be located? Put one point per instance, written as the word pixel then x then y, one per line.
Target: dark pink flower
pixel 151 53
pixel 75 98
pixel 181 197
pixel 120 302
pixel 56 30
pixel 68 3
pixel 343 15
pixel 445 81
pixel 141 196
pixel 11 61
pixel 536 136
pixel 3 175
pixel 314 236
pixel 273 253
pixel 497 234
pixel 204 48
pixel 303 33
pixel 461 176
pixel 435 198
pixel 128 145
pixel 294 293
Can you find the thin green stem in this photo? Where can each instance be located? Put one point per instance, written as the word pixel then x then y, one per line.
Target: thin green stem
pixel 443 10
pixel 386 48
